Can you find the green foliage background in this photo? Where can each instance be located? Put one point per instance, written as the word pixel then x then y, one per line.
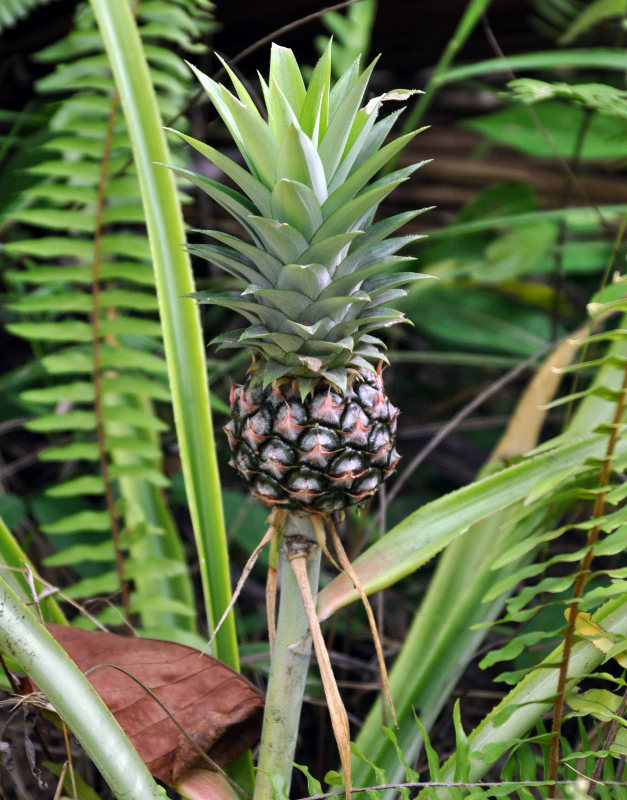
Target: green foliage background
pixel 514 278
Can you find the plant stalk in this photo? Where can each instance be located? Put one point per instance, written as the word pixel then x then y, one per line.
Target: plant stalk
pixel 44 660
pixel 97 373
pixel 290 662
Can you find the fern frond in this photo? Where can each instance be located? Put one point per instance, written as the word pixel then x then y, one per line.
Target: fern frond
pixel 13 11
pixel 53 303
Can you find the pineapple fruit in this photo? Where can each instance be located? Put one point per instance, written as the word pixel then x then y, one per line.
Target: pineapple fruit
pixel 312 430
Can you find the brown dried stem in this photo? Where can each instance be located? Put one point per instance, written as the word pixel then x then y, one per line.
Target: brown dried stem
pixel 97 376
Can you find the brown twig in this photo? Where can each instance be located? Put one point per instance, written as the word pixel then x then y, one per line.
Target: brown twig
pixel 68 750
pixel 609 741
pixel 95 324
pixel 582 577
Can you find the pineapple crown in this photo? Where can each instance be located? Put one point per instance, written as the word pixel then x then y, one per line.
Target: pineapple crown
pixel 318 274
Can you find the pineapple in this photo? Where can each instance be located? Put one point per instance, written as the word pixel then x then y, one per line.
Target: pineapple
pixel 312 430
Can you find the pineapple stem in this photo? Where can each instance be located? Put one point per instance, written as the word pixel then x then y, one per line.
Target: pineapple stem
pixel 290 662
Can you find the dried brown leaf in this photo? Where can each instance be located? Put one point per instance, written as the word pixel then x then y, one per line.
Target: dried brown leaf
pixel 218 708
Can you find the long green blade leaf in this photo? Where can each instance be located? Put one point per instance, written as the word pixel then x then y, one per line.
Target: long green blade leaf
pixel 181 325
pixel 427 531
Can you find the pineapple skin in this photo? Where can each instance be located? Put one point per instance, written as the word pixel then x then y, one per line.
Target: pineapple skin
pixel 326 453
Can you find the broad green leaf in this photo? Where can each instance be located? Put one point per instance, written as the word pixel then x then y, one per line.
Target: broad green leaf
pixel 67 302
pixel 514 127
pixel 280 113
pixel 78 302
pixel 120 357
pixel 599 703
pixel 84 171
pixel 330 250
pixel 333 307
pixel 346 80
pixel 254 312
pixel 63 192
pixel 376 136
pixel 274 371
pixel 130 271
pixel 124 213
pixel 217 95
pixel 74 360
pixel 125 298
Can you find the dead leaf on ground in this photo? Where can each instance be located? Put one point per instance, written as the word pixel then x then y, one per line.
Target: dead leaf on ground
pixel 218 708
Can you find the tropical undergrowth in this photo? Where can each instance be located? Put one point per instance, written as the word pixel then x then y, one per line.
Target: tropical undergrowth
pixel 82 289
pixel 531 581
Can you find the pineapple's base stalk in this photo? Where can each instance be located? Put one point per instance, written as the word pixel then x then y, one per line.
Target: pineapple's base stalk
pixel 290 662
